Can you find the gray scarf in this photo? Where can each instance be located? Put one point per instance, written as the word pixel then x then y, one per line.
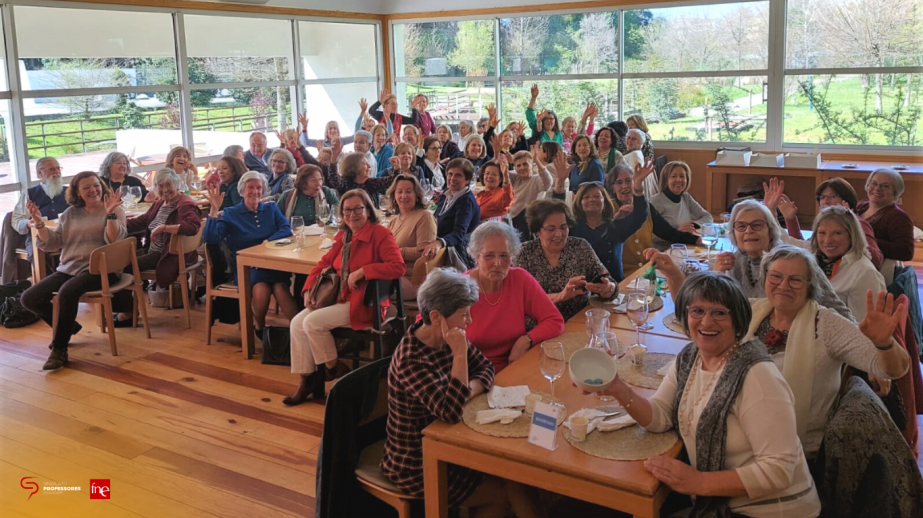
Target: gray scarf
pixel 712 430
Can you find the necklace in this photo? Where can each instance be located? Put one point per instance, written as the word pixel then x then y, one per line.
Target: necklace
pixel 685 411
pixel 485 293
pixel 750 275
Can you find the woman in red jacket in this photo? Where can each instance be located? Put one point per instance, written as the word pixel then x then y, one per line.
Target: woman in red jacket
pixel 363 250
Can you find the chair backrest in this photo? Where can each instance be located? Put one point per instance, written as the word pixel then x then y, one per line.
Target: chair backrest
pixel 184 244
pixel 113 258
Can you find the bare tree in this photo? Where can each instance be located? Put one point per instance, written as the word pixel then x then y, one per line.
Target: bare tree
pixel 524 38
pixel 597 42
pixel 83 74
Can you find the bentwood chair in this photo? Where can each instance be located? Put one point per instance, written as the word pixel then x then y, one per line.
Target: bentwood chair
pixel 385 334
pixel 180 245
pixel 223 290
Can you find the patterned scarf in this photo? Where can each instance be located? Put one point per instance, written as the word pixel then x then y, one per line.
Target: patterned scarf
pixel 344 264
pixel 829 266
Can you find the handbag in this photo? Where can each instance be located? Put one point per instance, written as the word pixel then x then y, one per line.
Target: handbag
pixel 13 314
pixel 277 348
pixel 325 290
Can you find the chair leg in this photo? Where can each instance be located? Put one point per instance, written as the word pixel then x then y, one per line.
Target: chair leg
pixel 106 304
pixel 135 302
pixel 170 297
pixel 54 313
pixel 139 292
pixel 208 318
pixel 100 318
pixel 184 286
pixel 403 509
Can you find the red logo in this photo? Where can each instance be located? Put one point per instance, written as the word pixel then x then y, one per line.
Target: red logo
pixel 99 489
pixel 29 485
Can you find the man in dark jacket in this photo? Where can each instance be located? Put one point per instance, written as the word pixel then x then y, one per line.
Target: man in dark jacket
pixel 257 157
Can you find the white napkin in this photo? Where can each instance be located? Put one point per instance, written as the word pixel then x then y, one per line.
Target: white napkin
pixel 592 415
pixel 665 369
pixel 313 230
pixel 508 397
pixel 634 158
pixel 490 416
pixel 616 423
pixel 326 244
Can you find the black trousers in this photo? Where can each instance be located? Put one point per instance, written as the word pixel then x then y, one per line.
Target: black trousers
pixel 70 288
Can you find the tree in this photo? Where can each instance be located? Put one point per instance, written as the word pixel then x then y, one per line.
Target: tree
pixel 663 99
pixel 635 21
pixel 83 74
pixel 597 43
pixel 197 75
pixel 474 47
pixel 524 39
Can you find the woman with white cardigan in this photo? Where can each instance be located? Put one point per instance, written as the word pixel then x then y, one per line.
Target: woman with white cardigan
pixel 674 202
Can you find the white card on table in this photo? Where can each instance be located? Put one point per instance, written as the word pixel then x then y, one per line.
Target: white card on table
pixel 544 425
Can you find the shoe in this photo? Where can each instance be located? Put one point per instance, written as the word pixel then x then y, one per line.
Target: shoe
pixel 56 360
pixel 121 323
pixel 337 372
pixel 306 390
pixel 77 328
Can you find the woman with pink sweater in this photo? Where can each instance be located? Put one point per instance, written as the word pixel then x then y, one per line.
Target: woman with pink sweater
pixel 512 312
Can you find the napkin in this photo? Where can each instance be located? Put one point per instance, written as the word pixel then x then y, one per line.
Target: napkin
pixel 592 415
pixel 326 244
pixel 634 158
pixel 507 397
pixel 313 230
pixel 491 416
pixel 616 423
pixel 665 369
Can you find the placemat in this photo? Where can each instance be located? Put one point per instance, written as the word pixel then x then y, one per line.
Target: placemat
pixel 518 428
pixel 632 443
pixel 572 342
pixel 654 305
pixel 646 376
pixel 672 324
pixel 308 242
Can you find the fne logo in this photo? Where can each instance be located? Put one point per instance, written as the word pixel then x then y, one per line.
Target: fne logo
pixel 99 489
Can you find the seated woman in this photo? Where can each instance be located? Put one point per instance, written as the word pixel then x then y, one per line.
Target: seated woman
pixel 331 135
pixel 282 167
pixel 674 202
pixel 429 166
pixel 508 141
pixel 497 196
pixel 457 212
pixel 115 171
pixel 290 143
pixel 382 149
pixel 465 130
pixel 404 161
pixel 173 213
pixel 732 409
pixel 229 171
pixel 647 146
pixel 840 249
pixel 363 250
pixel 586 166
pixel 413 226
pixel 307 194
pixel 609 157
pixel 753 232
pixel 434 372
pixel 566 267
pixel 356 173
pixel 180 160
pixel 450 149
pixel 893 227
pixel 247 224
pixel 475 151
pixel 621 185
pixel 95 218
pixel 502 335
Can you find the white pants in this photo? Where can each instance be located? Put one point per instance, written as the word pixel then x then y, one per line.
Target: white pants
pixel 312 342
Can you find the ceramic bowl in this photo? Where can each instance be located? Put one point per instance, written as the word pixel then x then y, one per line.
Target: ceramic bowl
pixel 592 369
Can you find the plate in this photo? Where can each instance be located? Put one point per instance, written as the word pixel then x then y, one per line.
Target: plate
pixel 900 167
pixel 850 166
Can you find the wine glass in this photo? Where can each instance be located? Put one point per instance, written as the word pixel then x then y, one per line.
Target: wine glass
pixel 125 192
pixel 298 232
pixel 608 342
pixel 638 311
pixel 136 194
pixel 197 186
pixel 551 363
pixel 710 235
pixel 384 203
pixel 323 215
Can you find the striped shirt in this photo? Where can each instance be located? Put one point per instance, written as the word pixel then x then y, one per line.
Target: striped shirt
pixel 161 218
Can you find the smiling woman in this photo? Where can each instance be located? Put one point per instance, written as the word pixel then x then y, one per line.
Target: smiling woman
pixel 674 202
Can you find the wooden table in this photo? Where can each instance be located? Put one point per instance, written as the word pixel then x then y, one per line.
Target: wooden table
pixel 622 485
pixel 262 256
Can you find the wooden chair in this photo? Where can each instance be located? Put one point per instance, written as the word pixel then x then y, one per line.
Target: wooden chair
pixel 374 482
pixel 113 259
pixel 226 290
pixel 180 245
pixel 385 334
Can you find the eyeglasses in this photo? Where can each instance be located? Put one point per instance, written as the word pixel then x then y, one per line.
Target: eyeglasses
pixel 741 226
pixel 875 185
pixel 52 169
pixel 439 148
pixel 504 258
pixel 718 314
pixel 552 230
pixel 828 197
pixel 356 211
pixel 282 162
pixel 776 278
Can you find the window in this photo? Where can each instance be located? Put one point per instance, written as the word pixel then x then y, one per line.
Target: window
pixel 450 102
pixel 445 49
pixel 338 50
pixel 585 43
pixel 7 172
pixel 337 103
pixel 568 98
pixel 243 50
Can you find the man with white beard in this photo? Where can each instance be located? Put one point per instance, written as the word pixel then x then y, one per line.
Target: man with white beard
pixel 49 196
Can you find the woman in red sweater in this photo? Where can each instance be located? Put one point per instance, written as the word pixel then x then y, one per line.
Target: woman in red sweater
pixel 508 297
pixel 893 227
pixel 362 250
pixel 497 197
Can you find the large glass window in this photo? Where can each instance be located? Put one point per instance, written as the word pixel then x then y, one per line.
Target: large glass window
pixel 450 102
pixel 338 50
pixel 445 49
pixel 567 98
pixel 584 43
pixel 243 50
pixel 7 172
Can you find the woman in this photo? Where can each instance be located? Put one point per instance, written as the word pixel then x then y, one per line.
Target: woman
pixel 528 184
pixel 465 130
pixel 381 148
pixel 674 202
pixel 457 212
pixel 586 166
pixel 475 151
pixel 549 121
pixel 411 135
pixel 281 167
pixel 115 172
pixel 425 122
pixel 429 164
pixel 247 224
pixel 95 218
pixel 497 196
pixel 180 160
pixel 893 227
pixel 234 151
pixel 508 141
pixel 404 161
pixel 502 335
pixel 609 157
pixel 621 185
pixel 450 149
pixel 363 250
pixel 307 194
pixel 290 143
pixel 434 372
pixel 413 226
pixel 229 171
pixel 840 249
pixel 331 135
pixel 647 147
pixel 570 129
pixel 174 213
pixel 732 409
pixel 566 267
pixel 388 102
pixel 356 173
pixel 753 232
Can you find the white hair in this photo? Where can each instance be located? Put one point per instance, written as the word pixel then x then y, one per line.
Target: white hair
pixel 490 229
pixel 775 231
pixel 166 175
pixel 641 136
pixel 252 175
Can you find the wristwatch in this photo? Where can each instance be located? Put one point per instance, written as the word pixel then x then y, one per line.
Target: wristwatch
pixel 112 216
pixel 529 338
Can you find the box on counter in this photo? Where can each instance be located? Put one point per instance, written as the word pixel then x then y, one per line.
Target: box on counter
pixel 764 160
pixel 733 156
pixel 802 160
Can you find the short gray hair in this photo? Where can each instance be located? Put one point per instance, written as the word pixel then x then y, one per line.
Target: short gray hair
pixel 842 216
pixel 40 163
pixel 716 288
pixel 252 175
pixel 468 124
pixel 164 175
pixel 446 290
pixel 897 180
pixel 775 231
pixel 110 159
pixel 641 136
pixel 819 288
pixel 363 133
pixel 292 165
pixel 490 229
pixel 232 151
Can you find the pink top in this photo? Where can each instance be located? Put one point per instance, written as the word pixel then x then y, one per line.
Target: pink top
pixel 496 326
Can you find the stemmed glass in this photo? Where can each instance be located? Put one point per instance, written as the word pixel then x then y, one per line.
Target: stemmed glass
pixel 384 203
pixel 298 231
pixel 638 310
pixel 197 186
pixel 136 194
pixel 551 363
pixel 323 215
pixel 125 192
pixel 710 234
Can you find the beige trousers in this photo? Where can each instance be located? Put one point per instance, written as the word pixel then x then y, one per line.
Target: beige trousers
pixel 312 342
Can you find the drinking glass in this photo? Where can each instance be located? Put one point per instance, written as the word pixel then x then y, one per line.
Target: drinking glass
pixel 125 192
pixel 298 232
pixel 136 194
pixel 608 342
pixel 597 321
pixel 323 215
pixel 384 203
pixel 638 311
pixel 678 253
pixel 197 186
pixel 551 363
pixel 710 234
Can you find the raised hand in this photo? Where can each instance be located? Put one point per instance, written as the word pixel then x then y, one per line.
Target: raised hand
pixel 34 212
pixel 303 121
pixel 882 317
pixel 787 207
pixel 395 162
pixel 588 112
pixel 772 193
pixel 504 167
pixel 624 211
pixel 282 141
pixel 641 172
pixel 495 145
pixel 112 201
pixel 662 261
pixel 363 106
pixel 534 91
pixel 540 117
pixel 215 198
pixel 561 169
pixel 384 95
pixel 538 156
pixel 335 149
pixel 492 116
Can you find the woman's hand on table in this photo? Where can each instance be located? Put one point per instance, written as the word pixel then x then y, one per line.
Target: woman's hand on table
pixel 681 477
pixel 724 261
pixel 355 278
pixel 520 348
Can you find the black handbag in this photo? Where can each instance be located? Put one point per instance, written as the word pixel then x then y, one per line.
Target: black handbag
pixel 276 346
pixel 13 314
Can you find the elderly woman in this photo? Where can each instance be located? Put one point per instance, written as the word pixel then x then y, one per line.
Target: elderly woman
pixel 95 218
pixel 549 121
pixel 475 151
pixel 497 196
pixel 586 166
pixel 291 143
pixel 385 108
pixel 732 409
pixel 308 193
pixel 425 122
pixel 893 227
pixel 281 168
pixel 234 151
pixel 753 232
pixel 841 251
pixel 404 162
pixel 356 173
pixel 413 226
pixel 502 335
pixel 434 372
pixel 465 130
pixel 450 149
pixel 457 212
pixel 363 250
pixel 381 148
pixel 674 202
pixel 566 267
pixel 430 164
pixel 331 135
pixel 115 171
pixel 637 122
pixel 634 141
pixel 247 224
pixel 229 171
pixel 605 141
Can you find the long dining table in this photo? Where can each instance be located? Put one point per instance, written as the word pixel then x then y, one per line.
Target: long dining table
pixel 622 485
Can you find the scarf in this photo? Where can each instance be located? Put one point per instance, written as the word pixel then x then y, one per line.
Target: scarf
pixel 746 268
pixel 798 364
pixel 828 266
pixel 711 432
pixel 344 264
pixel 275 182
pixel 293 201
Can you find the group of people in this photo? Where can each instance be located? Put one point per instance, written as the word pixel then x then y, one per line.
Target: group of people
pixel 540 224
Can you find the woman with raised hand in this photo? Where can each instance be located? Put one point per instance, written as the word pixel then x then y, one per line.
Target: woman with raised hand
pixel 281 168
pixel 544 126
pixel 530 177
pixel 385 109
pixel 425 122
pixel 356 173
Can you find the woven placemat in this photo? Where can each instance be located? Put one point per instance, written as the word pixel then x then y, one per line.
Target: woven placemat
pixel 308 242
pixel 572 341
pixel 672 324
pixel 612 307
pixel 632 443
pixel 646 376
pixel 518 428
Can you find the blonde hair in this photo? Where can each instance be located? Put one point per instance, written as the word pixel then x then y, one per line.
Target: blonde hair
pixel 639 122
pixel 842 216
pixel 474 137
pixel 668 170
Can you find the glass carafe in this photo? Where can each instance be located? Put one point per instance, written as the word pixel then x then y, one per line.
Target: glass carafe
pixel 597 321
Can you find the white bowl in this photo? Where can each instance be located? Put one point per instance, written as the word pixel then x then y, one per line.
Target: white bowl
pixel 592 364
